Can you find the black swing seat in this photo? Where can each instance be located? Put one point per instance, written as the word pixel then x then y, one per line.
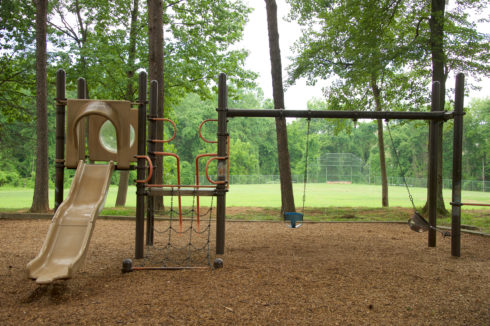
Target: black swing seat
pixel 419 224
pixel 295 219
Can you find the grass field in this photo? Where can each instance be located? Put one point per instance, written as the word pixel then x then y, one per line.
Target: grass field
pixel 317 195
pixel 324 202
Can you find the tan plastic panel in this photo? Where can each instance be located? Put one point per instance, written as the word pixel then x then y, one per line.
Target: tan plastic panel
pixel 97 152
pixel 71 228
pixel 118 112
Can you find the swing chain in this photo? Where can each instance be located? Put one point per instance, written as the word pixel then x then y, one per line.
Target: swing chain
pixel 305 177
pixel 399 166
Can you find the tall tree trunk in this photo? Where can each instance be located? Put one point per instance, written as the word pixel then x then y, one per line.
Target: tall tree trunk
pixel 81 41
pixel 155 40
pixel 381 145
pixel 40 201
pixel 439 73
pixel 287 196
pixel 122 190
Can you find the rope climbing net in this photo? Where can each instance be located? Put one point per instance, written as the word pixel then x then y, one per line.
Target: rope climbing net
pixel 181 242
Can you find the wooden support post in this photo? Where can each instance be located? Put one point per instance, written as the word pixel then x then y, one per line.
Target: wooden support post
pixel 222 152
pixel 60 138
pixel 140 187
pixel 152 134
pixel 457 166
pixel 433 166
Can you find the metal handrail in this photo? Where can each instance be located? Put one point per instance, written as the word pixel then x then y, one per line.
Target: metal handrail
pixel 150 166
pixel 202 137
pixel 165 140
pixel 207 172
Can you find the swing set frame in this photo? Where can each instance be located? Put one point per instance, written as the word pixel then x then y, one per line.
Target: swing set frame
pixel 435 117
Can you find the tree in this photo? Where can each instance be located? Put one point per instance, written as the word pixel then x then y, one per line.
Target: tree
pixel 130 90
pixel 394 44
pixel 454 44
pixel 287 197
pixel 366 47
pixel 155 72
pixel 17 62
pixel 40 201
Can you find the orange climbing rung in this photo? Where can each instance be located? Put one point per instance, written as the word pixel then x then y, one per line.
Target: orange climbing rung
pixel 202 137
pixel 150 167
pixel 164 140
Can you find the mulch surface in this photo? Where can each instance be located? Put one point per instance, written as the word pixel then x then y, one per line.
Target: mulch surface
pixel 319 274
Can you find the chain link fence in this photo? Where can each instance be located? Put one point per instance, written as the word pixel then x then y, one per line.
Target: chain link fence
pixel 470 185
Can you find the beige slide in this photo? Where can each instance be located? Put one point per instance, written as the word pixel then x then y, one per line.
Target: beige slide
pixel 72 225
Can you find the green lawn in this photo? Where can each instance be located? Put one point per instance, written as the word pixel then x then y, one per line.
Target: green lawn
pixel 317 195
pixel 324 202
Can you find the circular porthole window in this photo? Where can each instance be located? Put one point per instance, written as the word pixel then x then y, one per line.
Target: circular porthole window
pixel 108 138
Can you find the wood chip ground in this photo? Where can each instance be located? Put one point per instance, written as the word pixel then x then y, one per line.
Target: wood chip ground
pixel 319 274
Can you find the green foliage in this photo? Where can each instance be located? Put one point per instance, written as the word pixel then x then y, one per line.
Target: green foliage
pixel 198 39
pixel 357 42
pixel 17 62
pixel 360 44
pixel 199 49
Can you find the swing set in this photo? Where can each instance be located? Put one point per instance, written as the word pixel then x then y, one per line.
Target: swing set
pixel 435 118
pixel 295 219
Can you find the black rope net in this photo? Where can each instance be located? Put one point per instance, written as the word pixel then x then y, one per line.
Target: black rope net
pixel 180 244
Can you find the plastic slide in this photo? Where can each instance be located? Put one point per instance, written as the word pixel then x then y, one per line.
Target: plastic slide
pixel 71 228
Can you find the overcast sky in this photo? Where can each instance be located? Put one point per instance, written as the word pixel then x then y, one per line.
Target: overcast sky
pixel 256 41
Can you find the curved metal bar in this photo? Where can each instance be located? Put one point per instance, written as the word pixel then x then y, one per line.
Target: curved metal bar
pixel 165 140
pixel 207 167
pixel 150 166
pixel 200 135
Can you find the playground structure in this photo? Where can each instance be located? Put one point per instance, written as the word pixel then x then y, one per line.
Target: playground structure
pixel 69 234
pixel 71 228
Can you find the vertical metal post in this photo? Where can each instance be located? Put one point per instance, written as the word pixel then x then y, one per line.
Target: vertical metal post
pixel 433 164
pixel 82 94
pixel 152 134
pixel 140 187
pixel 60 138
pixel 457 166
pixel 222 152
pixel 81 88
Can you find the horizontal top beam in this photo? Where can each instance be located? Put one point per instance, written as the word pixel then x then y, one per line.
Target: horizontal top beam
pixel 389 115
